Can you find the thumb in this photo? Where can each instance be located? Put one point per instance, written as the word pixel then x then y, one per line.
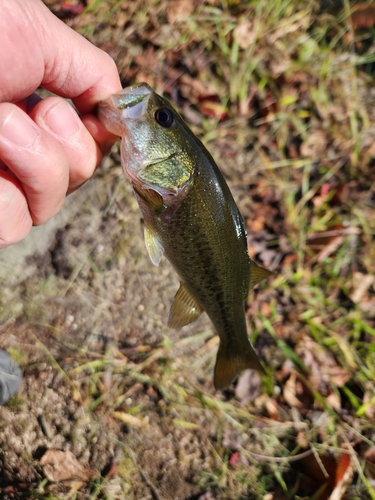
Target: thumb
pixel 39 49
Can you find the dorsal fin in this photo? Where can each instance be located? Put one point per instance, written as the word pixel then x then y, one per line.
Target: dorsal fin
pixel 257 274
pixel 154 247
pixel 184 308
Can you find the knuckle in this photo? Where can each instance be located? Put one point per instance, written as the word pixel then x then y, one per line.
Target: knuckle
pixel 86 161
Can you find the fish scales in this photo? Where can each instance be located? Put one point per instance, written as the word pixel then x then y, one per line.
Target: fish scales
pixel 217 278
pixel 191 217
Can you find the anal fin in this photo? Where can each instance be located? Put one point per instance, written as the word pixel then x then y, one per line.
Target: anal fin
pixel 184 308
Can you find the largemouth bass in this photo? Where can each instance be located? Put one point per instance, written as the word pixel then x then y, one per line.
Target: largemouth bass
pixel 191 217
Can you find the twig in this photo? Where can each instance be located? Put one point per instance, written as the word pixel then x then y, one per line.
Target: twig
pixel 152 487
pixel 267 458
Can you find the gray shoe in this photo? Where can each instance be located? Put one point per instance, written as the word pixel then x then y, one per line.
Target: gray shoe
pixel 10 377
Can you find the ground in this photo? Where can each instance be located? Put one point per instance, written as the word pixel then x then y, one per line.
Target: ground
pixel 116 405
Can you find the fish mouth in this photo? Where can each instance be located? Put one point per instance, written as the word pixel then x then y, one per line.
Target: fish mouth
pixel 130 97
pixel 128 104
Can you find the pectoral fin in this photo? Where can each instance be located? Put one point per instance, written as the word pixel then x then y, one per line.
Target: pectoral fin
pixel 230 363
pixel 184 309
pixel 153 200
pixel 257 274
pixel 154 247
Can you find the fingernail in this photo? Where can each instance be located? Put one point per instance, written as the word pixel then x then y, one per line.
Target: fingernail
pixel 62 120
pixel 19 129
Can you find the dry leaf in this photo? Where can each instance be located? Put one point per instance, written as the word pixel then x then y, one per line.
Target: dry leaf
pixel 315 144
pixel 265 309
pixel 333 401
pixel 361 283
pixel 234 459
pixel 325 243
pixel 370 409
pixel 331 248
pixel 248 386
pixel 63 466
pixel 344 476
pixel 244 34
pixel 211 107
pixel 257 224
pixel 290 391
pixel 207 496
pixel 74 8
pixel 179 11
pixel 337 475
pixel 281 32
pixel 289 259
pixel 302 440
pixel 272 408
pixel 280 66
pixel 363 16
pixel 324 369
pixel 194 89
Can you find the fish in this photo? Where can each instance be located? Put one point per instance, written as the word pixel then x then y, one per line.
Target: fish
pixel 190 216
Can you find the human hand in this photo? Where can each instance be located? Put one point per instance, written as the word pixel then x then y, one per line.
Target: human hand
pixel 46 150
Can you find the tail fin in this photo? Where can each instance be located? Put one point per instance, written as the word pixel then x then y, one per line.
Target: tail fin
pixel 230 363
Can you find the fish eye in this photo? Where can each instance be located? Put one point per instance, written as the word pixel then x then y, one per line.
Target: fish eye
pixel 164 117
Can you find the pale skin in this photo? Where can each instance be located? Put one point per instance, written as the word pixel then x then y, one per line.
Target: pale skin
pixel 46 149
